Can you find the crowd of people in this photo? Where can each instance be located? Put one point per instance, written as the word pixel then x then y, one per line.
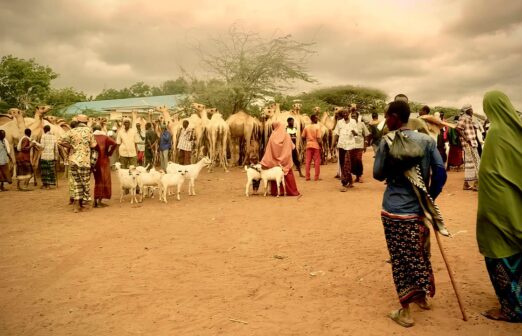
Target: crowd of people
pixel 414 166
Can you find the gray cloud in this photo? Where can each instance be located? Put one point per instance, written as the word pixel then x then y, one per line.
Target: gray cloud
pixel 112 44
pixel 485 16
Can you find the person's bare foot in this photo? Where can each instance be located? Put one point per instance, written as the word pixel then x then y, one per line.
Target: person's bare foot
pixel 358 179
pixel 76 206
pixel 402 317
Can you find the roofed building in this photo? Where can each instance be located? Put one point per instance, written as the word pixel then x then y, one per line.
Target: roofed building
pixel 117 109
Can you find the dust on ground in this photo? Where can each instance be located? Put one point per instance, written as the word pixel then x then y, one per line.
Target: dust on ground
pixel 220 263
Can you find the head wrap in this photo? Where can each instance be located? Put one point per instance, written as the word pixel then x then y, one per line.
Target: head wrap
pixel 82 118
pixel 466 107
pixel 499 229
pixel 278 149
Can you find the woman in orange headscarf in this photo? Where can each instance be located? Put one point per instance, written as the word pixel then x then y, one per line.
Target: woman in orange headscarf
pixel 279 152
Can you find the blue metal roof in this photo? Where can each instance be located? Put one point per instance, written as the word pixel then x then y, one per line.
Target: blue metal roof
pixel 170 101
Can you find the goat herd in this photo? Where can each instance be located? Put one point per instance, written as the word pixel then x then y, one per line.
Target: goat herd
pixel 139 179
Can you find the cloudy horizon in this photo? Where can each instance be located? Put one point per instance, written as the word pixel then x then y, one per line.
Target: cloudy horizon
pixel 443 52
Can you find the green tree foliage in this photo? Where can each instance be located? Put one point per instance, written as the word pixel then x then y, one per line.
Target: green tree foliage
pixel 59 99
pixel 367 99
pixel 251 67
pixel 108 94
pixel 23 83
pixel 172 87
pixel 140 89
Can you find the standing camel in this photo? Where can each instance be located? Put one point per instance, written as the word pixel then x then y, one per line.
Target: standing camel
pixel 218 133
pixel 15 128
pixel 243 129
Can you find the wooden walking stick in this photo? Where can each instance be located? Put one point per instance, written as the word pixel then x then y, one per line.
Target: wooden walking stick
pixel 453 282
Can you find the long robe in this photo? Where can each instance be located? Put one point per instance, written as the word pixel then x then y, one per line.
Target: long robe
pixel 102 174
pixel 279 153
pixel 499 224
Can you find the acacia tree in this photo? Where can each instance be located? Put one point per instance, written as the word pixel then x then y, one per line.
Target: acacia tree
pixel 252 67
pixel 367 99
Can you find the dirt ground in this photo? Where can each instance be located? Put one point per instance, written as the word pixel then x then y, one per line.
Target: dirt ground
pixel 222 264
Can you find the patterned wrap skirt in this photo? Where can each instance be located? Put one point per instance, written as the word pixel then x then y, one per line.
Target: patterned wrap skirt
pixel 47 169
pixel 81 182
pixel 471 164
pixel 24 168
pixel 506 276
pixel 408 240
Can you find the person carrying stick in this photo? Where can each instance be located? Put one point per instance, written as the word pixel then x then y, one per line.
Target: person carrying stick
pixel 403 214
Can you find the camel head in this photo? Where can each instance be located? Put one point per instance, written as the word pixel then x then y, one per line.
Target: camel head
pixel 40 110
pixel 316 109
pixel 91 121
pixel 268 111
pixel 197 107
pixel 296 108
pixel 52 119
pixel 15 113
pixel 162 109
pixel 212 111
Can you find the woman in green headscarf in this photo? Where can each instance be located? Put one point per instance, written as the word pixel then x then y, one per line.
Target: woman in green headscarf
pixel 499 218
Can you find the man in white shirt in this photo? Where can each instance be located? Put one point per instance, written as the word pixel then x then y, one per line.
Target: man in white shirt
pixel 358 147
pixel 126 139
pixel 344 139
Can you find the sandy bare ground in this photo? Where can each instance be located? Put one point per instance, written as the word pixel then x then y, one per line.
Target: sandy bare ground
pixel 309 266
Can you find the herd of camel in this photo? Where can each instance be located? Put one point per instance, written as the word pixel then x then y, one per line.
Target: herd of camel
pixel 241 135
pixel 232 140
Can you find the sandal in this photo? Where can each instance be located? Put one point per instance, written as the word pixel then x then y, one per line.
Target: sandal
pixel 397 318
pixel 423 304
pixel 495 314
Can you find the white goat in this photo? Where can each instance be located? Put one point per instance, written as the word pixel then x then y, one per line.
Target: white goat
pixel 128 180
pixel 191 172
pixel 253 174
pixel 146 179
pixel 274 174
pixel 170 180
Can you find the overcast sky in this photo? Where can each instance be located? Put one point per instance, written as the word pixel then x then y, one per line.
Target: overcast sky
pixel 444 52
